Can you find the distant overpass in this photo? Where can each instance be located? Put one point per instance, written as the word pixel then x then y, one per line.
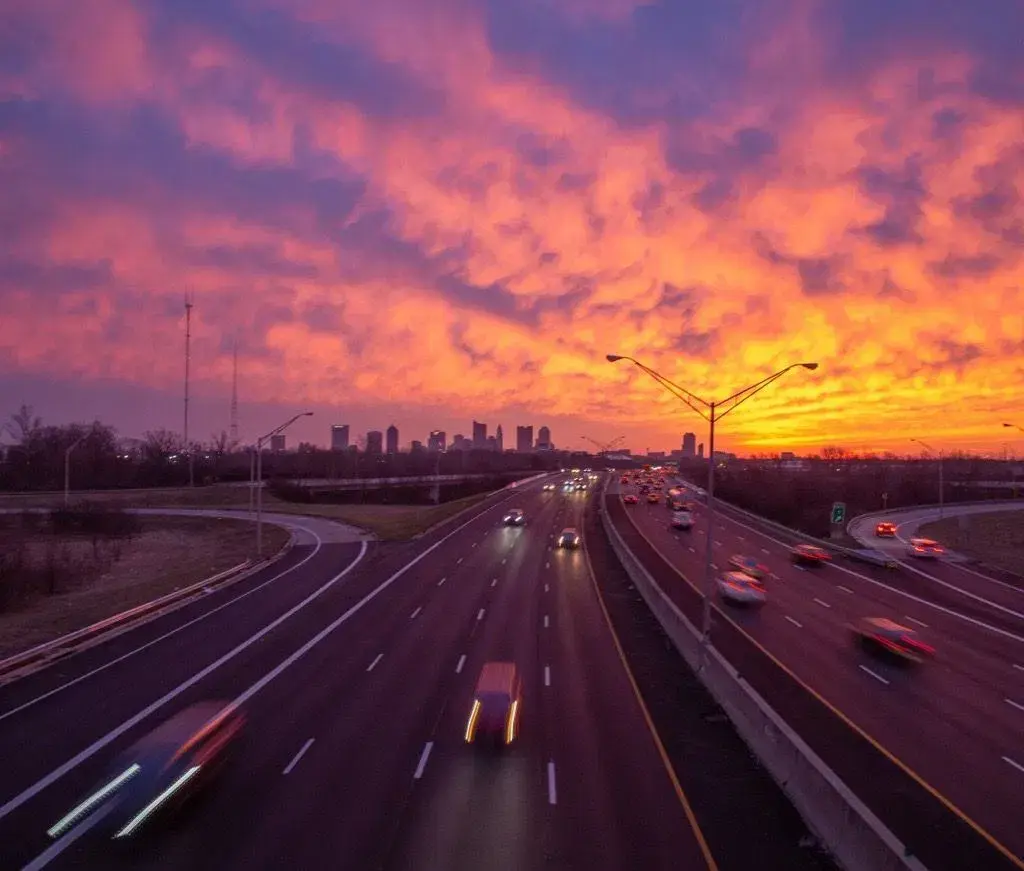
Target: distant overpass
pixel 405 481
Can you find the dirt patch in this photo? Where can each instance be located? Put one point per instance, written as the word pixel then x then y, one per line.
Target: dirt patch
pixel 995 538
pixel 167 553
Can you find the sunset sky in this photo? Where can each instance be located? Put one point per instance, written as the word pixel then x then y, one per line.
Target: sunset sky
pixel 424 211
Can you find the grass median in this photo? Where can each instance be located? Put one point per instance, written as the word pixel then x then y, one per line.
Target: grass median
pixel 77 580
pixel 387 522
pixel 996 538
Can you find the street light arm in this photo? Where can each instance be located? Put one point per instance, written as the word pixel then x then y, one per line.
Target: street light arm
pixel 741 396
pixel 285 425
pixel 1014 426
pixel 681 393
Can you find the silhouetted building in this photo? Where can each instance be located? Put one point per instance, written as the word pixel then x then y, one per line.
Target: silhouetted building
pixel 277 443
pixel 438 440
pixel 460 442
pixel 479 435
pixel 339 437
pixel 524 439
pixel 689 445
pixel 700 451
pixel 499 439
pixel 492 443
pixel 374 442
pixel 392 439
pixel 544 439
pixel 416 447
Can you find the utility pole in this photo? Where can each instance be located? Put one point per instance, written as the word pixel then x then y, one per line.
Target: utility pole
pixel 188 359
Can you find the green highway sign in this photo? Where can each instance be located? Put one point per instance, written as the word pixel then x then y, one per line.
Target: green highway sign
pixel 838 512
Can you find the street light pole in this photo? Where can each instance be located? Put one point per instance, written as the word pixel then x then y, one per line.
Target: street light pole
pixel 942 487
pixel 259 476
pixel 67 468
pixel 712 413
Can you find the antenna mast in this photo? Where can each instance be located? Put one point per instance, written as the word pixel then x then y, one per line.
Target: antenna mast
pixel 234 397
pixel 188 360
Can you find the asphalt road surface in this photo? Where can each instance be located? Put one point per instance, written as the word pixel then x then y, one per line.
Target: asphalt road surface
pixel 355 664
pixel 958 722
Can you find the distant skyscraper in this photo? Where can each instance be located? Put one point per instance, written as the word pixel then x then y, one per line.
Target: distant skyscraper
pixel 524 439
pixel 492 443
pixel 392 439
pixel 438 440
pixel 416 446
pixel 499 439
pixel 700 451
pixel 544 439
pixel 460 442
pixel 479 435
pixel 374 442
pixel 689 444
pixel 339 437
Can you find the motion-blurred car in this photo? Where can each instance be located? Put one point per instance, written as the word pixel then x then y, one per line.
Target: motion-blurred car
pixel 810 554
pixel 653 498
pixel 494 714
pixel 514 517
pixel 749 566
pixel 740 589
pixel 569 538
pixel 630 499
pixel 885 529
pixel 881 635
pixel 160 772
pixel 681 520
pixel 549 486
pixel 925 548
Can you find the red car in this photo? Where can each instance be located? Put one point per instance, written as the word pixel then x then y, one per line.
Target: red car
pixel 885 529
pixel 810 554
pixel 630 499
pixel 880 635
pixel 494 714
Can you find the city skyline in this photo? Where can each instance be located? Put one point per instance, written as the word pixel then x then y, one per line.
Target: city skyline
pixel 404 227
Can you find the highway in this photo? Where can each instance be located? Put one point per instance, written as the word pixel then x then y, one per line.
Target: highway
pixel 958 722
pixel 355 663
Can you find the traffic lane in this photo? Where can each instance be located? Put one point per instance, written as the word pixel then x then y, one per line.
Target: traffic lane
pixel 617 805
pixel 972 584
pixel 918 715
pixel 473 806
pixel 38 738
pixel 338 691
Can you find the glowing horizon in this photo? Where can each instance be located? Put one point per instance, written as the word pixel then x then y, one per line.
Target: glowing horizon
pixel 429 213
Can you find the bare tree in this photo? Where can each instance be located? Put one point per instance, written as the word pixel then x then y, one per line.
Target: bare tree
pixel 833 453
pixel 24 424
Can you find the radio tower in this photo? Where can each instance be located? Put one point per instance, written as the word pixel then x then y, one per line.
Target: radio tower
pixel 188 360
pixel 234 397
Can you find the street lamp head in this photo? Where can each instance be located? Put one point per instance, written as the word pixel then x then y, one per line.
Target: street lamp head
pixel 811 366
pixel 614 358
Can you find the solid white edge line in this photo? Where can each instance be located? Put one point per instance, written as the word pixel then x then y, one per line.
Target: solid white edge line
pixel 462 662
pixel 794 622
pixel 373 664
pixel 547 675
pixel 35 700
pixel 298 756
pixel 424 756
pixel 97 745
pixel 1016 765
pixel 877 677
pixel 552 791
pixel 1017 705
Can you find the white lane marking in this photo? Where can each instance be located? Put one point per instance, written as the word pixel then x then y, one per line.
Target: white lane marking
pixel 764 550
pixel 480 614
pixel 823 604
pixel 458 560
pixel 415 613
pixel 964 592
pixel 373 664
pixel 547 565
pixel 692 549
pixel 165 636
pixel 494 583
pixel 545 588
pixel 552 792
pixel 844 589
pixel 1016 765
pixel 794 622
pixel 97 745
pixel 742 537
pixel 877 677
pixel 547 675
pixel 714 566
pixel 504 560
pixel 920 623
pixel 546 622
pixel 474 544
pixel 1017 705
pixel 718 543
pixel 424 756
pixel 440 582
pixel 462 662
pixel 1019 667
pixel 800 568
pixel 297 757
pixel 68 838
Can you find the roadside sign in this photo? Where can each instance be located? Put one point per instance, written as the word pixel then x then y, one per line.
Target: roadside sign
pixel 838 512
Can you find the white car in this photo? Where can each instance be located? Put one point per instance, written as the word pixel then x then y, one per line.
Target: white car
pixel 741 589
pixel 549 486
pixel 681 520
pixel 569 538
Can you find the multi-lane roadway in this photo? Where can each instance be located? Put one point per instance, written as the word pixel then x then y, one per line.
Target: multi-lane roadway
pixel 958 722
pixel 355 664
